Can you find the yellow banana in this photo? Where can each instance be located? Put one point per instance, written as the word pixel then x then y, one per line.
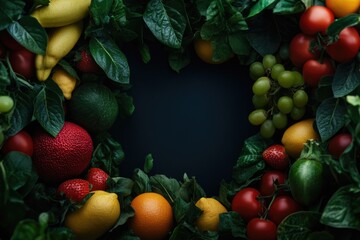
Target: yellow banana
pixel 60 42
pixel 61 12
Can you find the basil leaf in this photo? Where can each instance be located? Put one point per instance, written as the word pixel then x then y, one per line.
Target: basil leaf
pixel 4 76
pixel 259 7
pixel 346 79
pixel 29 33
pixel 168 187
pixel 100 10
pixel 10 11
pixel 337 26
pixel 110 58
pixel 232 222
pixel 165 22
pixel 289 7
pixel 330 117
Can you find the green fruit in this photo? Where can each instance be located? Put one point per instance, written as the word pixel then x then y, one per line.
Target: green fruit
pixel 94 107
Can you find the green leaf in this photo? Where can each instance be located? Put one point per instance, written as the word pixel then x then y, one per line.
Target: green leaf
pixel 190 190
pixel 110 58
pixel 149 163
pixel 30 34
pixel 259 7
pixel 239 44
pixel 100 10
pixel 330 117
pixel 120 185
pixel 141 182
pixel 339 211
pixel 340 23
pixel 165 23
pixel 178 59
pixel 26 229
pixel 232 222
pixel 10 11
pixel 48 108
pixel 289 7
pixel 346 79
pixel 168 187
pixel 4 76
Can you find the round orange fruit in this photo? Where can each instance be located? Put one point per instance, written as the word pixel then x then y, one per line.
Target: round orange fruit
pixel 205 51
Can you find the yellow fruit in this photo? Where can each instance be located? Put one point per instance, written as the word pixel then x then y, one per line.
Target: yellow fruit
pixel 153 217
pixel 296 135
pixel 342 8
pixel 99 213
pixel 209 219
pixel 65 81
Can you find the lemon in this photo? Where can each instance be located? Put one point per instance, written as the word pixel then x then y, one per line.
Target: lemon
pixel 99 213
pixel 209 219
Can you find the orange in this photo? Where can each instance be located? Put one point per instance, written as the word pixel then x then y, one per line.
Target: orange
pixel 342 8
pixel 153 217
pixel 296 135
pixel 211 209
pixel 204 50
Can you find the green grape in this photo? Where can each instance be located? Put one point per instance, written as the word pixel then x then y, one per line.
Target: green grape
pixel 300 98
pixel 256 70
pixel 276 70
pixel 260 101
pixel 268 61
pixel 267 129
pixel 261 86
pixel 297 113
pixel 298 78
pixel 280 120
pixel 285 104
pixel 284 52
pixel 257 117
pixel 286 79
pixel 6 103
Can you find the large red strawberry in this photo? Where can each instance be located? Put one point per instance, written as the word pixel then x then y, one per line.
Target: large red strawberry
pixel 87 64
pixel 75 189
pixel 276 157
pixel 97 177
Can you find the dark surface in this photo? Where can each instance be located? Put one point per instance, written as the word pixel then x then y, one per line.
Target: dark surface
pixel 193 122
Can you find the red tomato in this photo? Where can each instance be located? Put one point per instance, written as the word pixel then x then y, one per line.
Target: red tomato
pixel 316 19
pixel 346 47
pixel 247 204
pixel 21 142
pixel 338 144
pixel 9 41
pixel 300 49
pixel 23 62
pixel 281 207
pixel 2 51
pixel 268 180
pixel 261 229
pixel 313 71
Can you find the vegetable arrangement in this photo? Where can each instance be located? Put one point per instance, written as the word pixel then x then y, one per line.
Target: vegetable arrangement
pixel 64 80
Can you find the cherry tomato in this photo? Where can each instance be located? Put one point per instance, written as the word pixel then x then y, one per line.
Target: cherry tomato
pixel 9 41
pixel 342 8
pixel 21 142
pixel 281 207
pixel 23 62
pixel 300 49
pixel 247 204
pixel 346 47
pixel 313 71
pixel 268 180
pixel 316 19
pixel 338 144
pixel 261 229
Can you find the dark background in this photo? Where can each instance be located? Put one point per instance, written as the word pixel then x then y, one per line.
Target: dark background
pixel 192 122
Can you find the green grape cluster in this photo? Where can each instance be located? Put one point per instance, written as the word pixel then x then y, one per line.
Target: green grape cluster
pixel 279 95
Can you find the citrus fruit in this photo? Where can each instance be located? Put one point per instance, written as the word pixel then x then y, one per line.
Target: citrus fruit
pixel 209 219
pixel 153 217
pixel 204 50
pixel 64 156
pixel 296 135
pixel 65 81
pixel 99 213
pixel 342 8
pixel 93 106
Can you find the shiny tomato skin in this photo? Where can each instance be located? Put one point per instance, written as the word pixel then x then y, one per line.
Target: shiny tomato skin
pixel 313 71
pixel 300 49
pixel 261 229
pixel 338 143
pixel 346 47
pixel 21 142
pixel 267 180
pixel 23 62
pixel 316 19
pixel 246 203
pixel 281 207
pixel 8 41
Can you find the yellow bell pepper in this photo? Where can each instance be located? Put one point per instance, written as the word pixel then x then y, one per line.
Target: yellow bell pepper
pixel 60 42
pixel 65 81
pixel 61 12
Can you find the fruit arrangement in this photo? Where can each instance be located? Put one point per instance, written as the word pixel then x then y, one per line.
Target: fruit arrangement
pixel 64 82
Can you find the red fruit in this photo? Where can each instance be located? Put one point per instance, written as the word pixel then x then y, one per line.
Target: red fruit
pixel 314 70
pixel 97 177
pixel 62 157
pixel 8 41
pixel 276 157
pixel 21 142
pixel 75 189
pixel 281 207
pixel 87 63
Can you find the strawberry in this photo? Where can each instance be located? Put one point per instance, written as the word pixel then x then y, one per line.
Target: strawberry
pixel 276 157
pixel 75 189
pixel 97 177
pixel 87 64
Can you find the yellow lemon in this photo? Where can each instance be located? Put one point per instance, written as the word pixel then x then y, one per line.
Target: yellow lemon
pixel 209 219
pixel 65 81
pixel 296 135
pixel 99 213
